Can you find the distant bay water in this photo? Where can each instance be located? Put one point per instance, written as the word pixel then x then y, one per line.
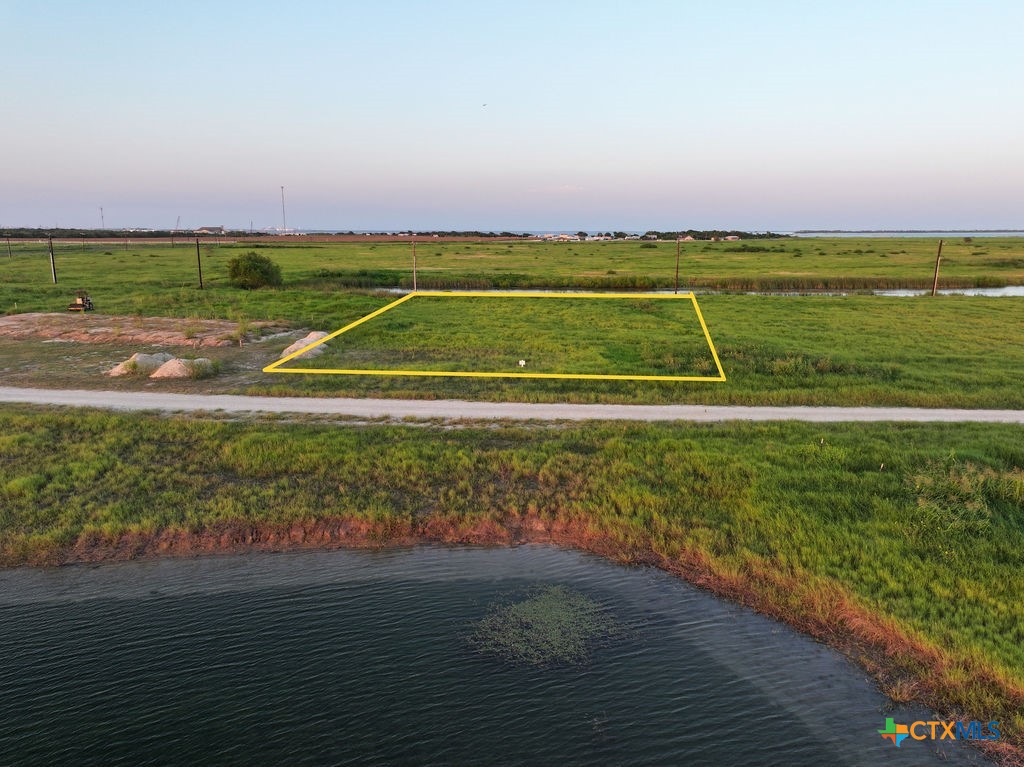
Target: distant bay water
pixel 936 234
pixel 363 658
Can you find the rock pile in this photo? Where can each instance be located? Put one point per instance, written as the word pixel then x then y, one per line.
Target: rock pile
pixel 140 364
pixel 162 365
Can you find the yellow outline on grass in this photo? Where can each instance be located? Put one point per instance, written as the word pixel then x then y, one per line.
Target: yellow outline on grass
pixel 276 366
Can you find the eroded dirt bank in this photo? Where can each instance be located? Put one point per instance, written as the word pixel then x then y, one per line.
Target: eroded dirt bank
pixel 904 666
pixel 105 328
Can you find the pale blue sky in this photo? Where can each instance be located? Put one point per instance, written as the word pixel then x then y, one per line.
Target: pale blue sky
pixel 598 115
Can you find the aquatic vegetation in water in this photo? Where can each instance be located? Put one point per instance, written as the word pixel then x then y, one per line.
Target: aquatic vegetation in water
pixel 552 626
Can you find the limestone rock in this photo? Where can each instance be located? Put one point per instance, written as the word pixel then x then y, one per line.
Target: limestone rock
pixel 142 364
pixel 316 351
pixel 178 368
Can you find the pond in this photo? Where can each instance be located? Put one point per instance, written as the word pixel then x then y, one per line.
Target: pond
pixel 361 657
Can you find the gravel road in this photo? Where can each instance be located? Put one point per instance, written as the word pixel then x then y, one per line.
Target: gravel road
pixel 457 409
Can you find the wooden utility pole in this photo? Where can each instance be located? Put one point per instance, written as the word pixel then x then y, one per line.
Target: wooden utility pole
pixel 9 254
pixel 414 266
pixel 938 259
pixel 677 264
pixel 199 263
pixel 53 265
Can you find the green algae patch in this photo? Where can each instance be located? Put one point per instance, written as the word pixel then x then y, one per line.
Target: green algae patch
pixel 553 626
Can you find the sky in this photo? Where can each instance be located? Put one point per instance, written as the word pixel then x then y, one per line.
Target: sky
pixel 526 115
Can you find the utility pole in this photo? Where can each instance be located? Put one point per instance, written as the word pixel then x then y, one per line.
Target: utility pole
pixel 677 264
pixel 9 254
pixel 938 259
pixel 199 263
pixel 103 222
pixel 414 266
pixel 53 266
pixel 284 218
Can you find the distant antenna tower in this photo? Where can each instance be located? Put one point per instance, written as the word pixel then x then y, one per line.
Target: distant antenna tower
pixel 284 219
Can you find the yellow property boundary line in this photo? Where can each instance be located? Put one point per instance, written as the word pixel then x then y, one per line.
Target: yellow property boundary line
pixel 276 366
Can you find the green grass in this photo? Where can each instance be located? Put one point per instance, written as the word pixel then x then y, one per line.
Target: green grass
pixel 564 335
pixel 161 281
pixel 947 352
pixel 932 540
pixel 143 276
pixel 858 350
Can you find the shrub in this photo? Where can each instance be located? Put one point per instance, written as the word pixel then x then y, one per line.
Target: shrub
pixel 252 270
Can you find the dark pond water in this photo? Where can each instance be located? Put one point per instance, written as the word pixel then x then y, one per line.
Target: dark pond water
pixel 363 658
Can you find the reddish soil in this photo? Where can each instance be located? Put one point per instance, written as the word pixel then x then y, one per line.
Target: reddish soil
pixel 104 328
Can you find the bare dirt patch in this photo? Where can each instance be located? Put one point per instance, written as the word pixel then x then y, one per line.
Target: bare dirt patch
pixel 110 329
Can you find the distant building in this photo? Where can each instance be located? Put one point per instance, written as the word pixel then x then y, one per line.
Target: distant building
pixel 730 238
pixel 210 230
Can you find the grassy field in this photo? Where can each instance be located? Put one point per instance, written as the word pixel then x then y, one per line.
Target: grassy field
pixel 853 350
pixel 920 525
pixel 948 352
pixel 859 350
pixel 129 279
pixel 655 335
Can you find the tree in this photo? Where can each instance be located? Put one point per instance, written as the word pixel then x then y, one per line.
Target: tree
pixel 251 270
